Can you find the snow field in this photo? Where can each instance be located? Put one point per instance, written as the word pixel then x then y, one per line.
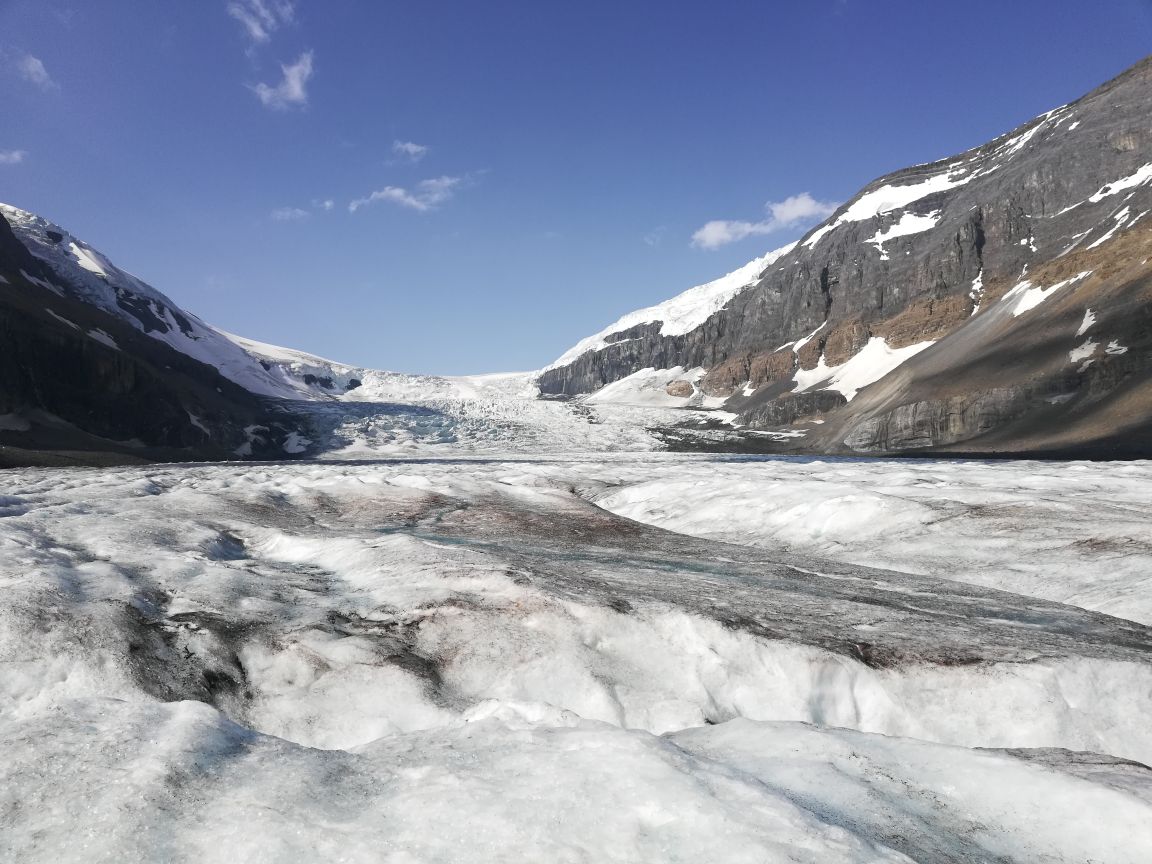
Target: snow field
pixel 1074 533
pixel 183 782
pixel 383 687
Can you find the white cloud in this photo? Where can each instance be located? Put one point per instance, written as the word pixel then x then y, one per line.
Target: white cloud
pixel 780 215
pixel 289 214
pixel 262 18
pixel 326 204
pixel 12 157
pixel 292 89
pixel 32 69
pixel 410 150
pixel 426 196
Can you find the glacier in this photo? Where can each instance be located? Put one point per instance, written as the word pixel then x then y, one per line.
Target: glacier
pixel 431 659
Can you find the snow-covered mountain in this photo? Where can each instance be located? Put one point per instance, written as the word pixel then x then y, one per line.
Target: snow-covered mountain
pixel 994 301
pixel 83 273
pixel 98 366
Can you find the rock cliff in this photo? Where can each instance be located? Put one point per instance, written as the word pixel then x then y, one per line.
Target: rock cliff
pixel 81 385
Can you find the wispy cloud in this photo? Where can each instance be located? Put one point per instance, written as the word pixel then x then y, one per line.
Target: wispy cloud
pixel 32 70
pixel 12 157
pixel 292 89
pixel 295 214
pixel 788 213
pixel 410 150
pixel 427 195
pixel 261 18
pixel 656 236
pixel 65 16
pixel 289 214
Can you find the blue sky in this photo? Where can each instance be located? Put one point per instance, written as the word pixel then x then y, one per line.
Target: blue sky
pixel 504 177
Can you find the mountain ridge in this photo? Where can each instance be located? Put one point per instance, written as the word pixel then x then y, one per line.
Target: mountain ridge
pixel 995 302
pixel 915 257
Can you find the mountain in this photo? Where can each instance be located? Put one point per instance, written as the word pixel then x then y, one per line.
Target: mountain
pixel 993 302
pixel 98 366
pixel 996 302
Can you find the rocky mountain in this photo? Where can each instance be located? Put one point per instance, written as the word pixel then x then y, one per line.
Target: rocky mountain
pixel 993 302
pixel 97 366
pixel 996 302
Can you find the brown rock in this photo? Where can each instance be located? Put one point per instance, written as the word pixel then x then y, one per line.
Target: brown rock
pixel 766 368
pixel 757 369
pixel 724 378
pixel 928 318
pixel 808 357
pixel 844 341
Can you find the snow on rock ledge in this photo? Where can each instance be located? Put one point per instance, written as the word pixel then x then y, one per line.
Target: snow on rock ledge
pixel 869 365
pixel 684 312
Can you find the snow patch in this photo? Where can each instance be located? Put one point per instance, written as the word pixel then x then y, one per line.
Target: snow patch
pixel 197 422
pixel 63 320
pixel 1121 219
pixel 296 443
pixel 888 198
pixel 910 223
pixel 1028 296
pixel 1140 177
pixel 976 293
pixel 777 434
pixel 252 433
pixel 871 363
pixel 1086 324
pixel 103 338
pixel 1083 352
pixel 89 259
pixel 48 286
pixel 800 343
pixel 648 387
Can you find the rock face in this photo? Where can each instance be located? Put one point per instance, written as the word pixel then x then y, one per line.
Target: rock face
pixel 80 385
pixel 995 301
